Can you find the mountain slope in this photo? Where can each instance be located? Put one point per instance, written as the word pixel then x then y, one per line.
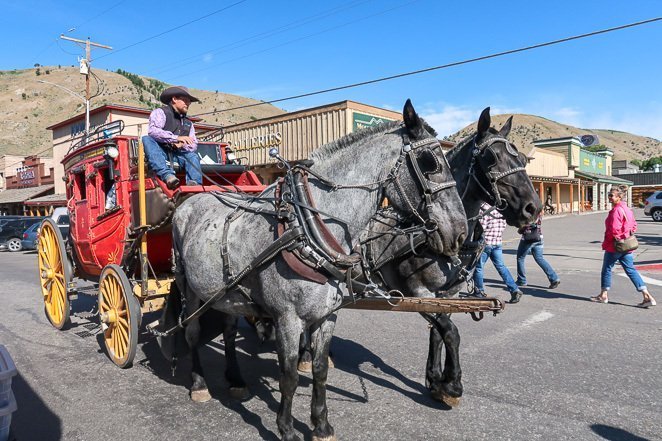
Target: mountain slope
pixel 529 128
pixel 32 106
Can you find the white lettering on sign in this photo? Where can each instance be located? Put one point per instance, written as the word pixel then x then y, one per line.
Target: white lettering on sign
pixel 260 141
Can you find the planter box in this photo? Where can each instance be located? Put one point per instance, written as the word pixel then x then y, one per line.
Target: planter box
pixel 7 372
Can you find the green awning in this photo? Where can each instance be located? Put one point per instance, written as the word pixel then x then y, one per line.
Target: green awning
pixel 602 179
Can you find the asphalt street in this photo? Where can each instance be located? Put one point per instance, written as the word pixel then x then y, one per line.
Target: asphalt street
pixel 553 367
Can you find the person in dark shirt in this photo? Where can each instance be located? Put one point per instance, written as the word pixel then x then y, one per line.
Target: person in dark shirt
pixel 171 133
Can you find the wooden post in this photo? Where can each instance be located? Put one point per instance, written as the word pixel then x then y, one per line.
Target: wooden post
pixel 541 192
pixel 142 204
pixel 572 200
pixel 558 198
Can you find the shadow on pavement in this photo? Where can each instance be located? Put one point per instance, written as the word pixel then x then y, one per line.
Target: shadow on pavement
pixel 614 433
pixel 33 420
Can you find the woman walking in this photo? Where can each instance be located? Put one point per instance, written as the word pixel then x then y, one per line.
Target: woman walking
pixel 620 224
pixel 532 241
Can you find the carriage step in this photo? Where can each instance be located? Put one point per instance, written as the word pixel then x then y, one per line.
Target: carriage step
pixel 430 305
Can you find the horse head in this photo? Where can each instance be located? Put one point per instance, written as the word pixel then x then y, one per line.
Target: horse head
pixel 423 186
pixel 500 172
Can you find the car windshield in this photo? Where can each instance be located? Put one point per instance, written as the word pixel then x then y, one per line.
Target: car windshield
pixel 32 228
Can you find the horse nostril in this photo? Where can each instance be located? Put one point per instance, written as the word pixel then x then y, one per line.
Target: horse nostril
pixel 531 209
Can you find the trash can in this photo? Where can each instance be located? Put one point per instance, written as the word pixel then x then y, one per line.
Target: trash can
pixel 7 400
pixel 7 372
pixel 5 417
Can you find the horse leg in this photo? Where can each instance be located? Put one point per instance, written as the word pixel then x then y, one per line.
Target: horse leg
pixel 288 333
pixel 199 391
pixel 306 355
pixel 446 387
pixel 320 342
pixel 238 389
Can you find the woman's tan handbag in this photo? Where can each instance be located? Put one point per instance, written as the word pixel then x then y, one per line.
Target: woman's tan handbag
pixel 625 245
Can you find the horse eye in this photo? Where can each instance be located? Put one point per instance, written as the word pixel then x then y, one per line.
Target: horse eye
pixel 428 162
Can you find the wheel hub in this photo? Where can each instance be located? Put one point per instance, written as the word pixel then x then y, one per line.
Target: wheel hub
pixel 109 316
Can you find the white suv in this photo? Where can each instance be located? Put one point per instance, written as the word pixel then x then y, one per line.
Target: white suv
pixel 653 206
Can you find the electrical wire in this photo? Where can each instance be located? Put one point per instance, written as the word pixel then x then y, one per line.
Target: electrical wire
pixel 260 36
pixel 171 30
pixel 333 28
pixel 443 66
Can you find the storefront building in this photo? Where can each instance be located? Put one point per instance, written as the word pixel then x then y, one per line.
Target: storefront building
pixel 569 178
pixel 29 178
pixel 297 134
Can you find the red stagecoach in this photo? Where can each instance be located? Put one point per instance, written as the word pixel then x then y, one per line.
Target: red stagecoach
pixel 120 235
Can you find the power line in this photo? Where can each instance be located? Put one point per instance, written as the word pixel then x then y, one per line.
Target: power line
pixel 333 28
pixel 443 66
pixel 173 29
pixel 262 35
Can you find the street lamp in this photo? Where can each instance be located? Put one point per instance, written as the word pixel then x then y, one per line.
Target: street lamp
pixel 86 101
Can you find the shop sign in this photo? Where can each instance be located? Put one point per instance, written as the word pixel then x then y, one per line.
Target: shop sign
pixel 26 177
pixel 363 121
pixel 592 163
pixel 270 139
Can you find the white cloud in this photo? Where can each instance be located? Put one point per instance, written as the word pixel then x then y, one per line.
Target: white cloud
pixel 448 119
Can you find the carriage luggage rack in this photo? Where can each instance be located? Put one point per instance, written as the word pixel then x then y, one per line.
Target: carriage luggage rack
pixel 100 132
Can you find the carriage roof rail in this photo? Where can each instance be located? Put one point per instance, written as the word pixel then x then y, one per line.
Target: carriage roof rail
pixel 100 132
pixel 216 135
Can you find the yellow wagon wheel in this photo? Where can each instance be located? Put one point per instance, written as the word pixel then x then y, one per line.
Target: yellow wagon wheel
pixel 119 313
pixel 54 273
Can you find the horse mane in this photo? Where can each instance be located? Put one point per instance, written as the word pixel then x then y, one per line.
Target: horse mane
pixel 328 149
pixel 460 145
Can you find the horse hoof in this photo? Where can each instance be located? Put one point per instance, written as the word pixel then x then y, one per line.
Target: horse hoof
pixel 305 366
pixel 200 396
pixel 326 438
pixel 239 393
pixel 446 399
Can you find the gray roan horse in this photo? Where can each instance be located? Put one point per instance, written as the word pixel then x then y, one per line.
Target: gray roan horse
pixel 487 168
pixel 219 239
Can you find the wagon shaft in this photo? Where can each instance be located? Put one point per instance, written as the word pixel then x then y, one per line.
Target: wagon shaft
pixel 430 305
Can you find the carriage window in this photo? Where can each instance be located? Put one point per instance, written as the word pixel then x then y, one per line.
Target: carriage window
pixel 80 185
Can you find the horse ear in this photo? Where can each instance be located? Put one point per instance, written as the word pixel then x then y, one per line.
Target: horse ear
pixel 484 122
pixel 505 130
pixel 412 121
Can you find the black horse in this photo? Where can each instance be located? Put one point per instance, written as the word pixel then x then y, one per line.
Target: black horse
pixel 487 168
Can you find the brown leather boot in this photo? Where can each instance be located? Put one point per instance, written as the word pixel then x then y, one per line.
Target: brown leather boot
pixel 172 182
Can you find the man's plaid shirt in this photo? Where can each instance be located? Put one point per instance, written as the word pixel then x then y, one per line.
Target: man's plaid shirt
pixel 493 226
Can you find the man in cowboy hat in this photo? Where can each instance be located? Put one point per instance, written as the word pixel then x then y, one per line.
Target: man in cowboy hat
pixel 171 132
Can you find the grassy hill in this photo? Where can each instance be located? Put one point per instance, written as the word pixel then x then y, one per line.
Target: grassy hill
pixel 31 106
pixel 528 128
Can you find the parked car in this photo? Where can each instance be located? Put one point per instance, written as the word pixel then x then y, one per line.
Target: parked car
pixel 29 241
pixel 61 217
pixel 653 206
pixel 11 231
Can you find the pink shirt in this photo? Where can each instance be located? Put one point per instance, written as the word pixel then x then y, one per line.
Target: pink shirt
pixel 157 120
pixel 619 224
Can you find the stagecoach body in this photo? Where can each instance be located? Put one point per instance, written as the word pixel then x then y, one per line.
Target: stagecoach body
pixel 121 234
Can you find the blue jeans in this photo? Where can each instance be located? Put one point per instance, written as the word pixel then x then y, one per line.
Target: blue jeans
pixel 627 262
pixel 157 157
pixel 536 249
pixel 494 253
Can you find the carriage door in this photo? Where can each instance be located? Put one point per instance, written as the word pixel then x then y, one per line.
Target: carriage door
pixel 81 216
pixel 106 215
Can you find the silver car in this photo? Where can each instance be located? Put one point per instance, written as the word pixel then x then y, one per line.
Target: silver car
pixel 653 206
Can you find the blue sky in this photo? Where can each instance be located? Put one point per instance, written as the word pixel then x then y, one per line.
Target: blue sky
pixel 274 49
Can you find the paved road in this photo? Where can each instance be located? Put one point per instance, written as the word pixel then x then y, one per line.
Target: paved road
pixel 553 367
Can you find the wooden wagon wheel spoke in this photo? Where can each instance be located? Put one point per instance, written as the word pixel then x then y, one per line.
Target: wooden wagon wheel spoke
pixel 120 312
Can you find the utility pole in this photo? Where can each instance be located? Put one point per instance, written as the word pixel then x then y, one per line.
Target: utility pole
pixel 85 69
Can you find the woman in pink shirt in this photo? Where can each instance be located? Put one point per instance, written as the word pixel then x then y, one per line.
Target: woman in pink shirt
pixel 620 224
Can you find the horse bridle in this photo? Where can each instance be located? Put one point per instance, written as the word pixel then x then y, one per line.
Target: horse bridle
pixel 429 188
pixel 493 177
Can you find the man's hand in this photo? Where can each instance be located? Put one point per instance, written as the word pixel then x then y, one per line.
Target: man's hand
pixel 183 141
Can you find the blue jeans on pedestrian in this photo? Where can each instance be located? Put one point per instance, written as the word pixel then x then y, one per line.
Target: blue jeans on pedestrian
pixel 536 249
pixel 494 253
pixel 157 157
pixel 627 262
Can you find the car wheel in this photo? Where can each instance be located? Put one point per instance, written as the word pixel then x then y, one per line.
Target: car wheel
pixel 14 244
pixel 657 215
